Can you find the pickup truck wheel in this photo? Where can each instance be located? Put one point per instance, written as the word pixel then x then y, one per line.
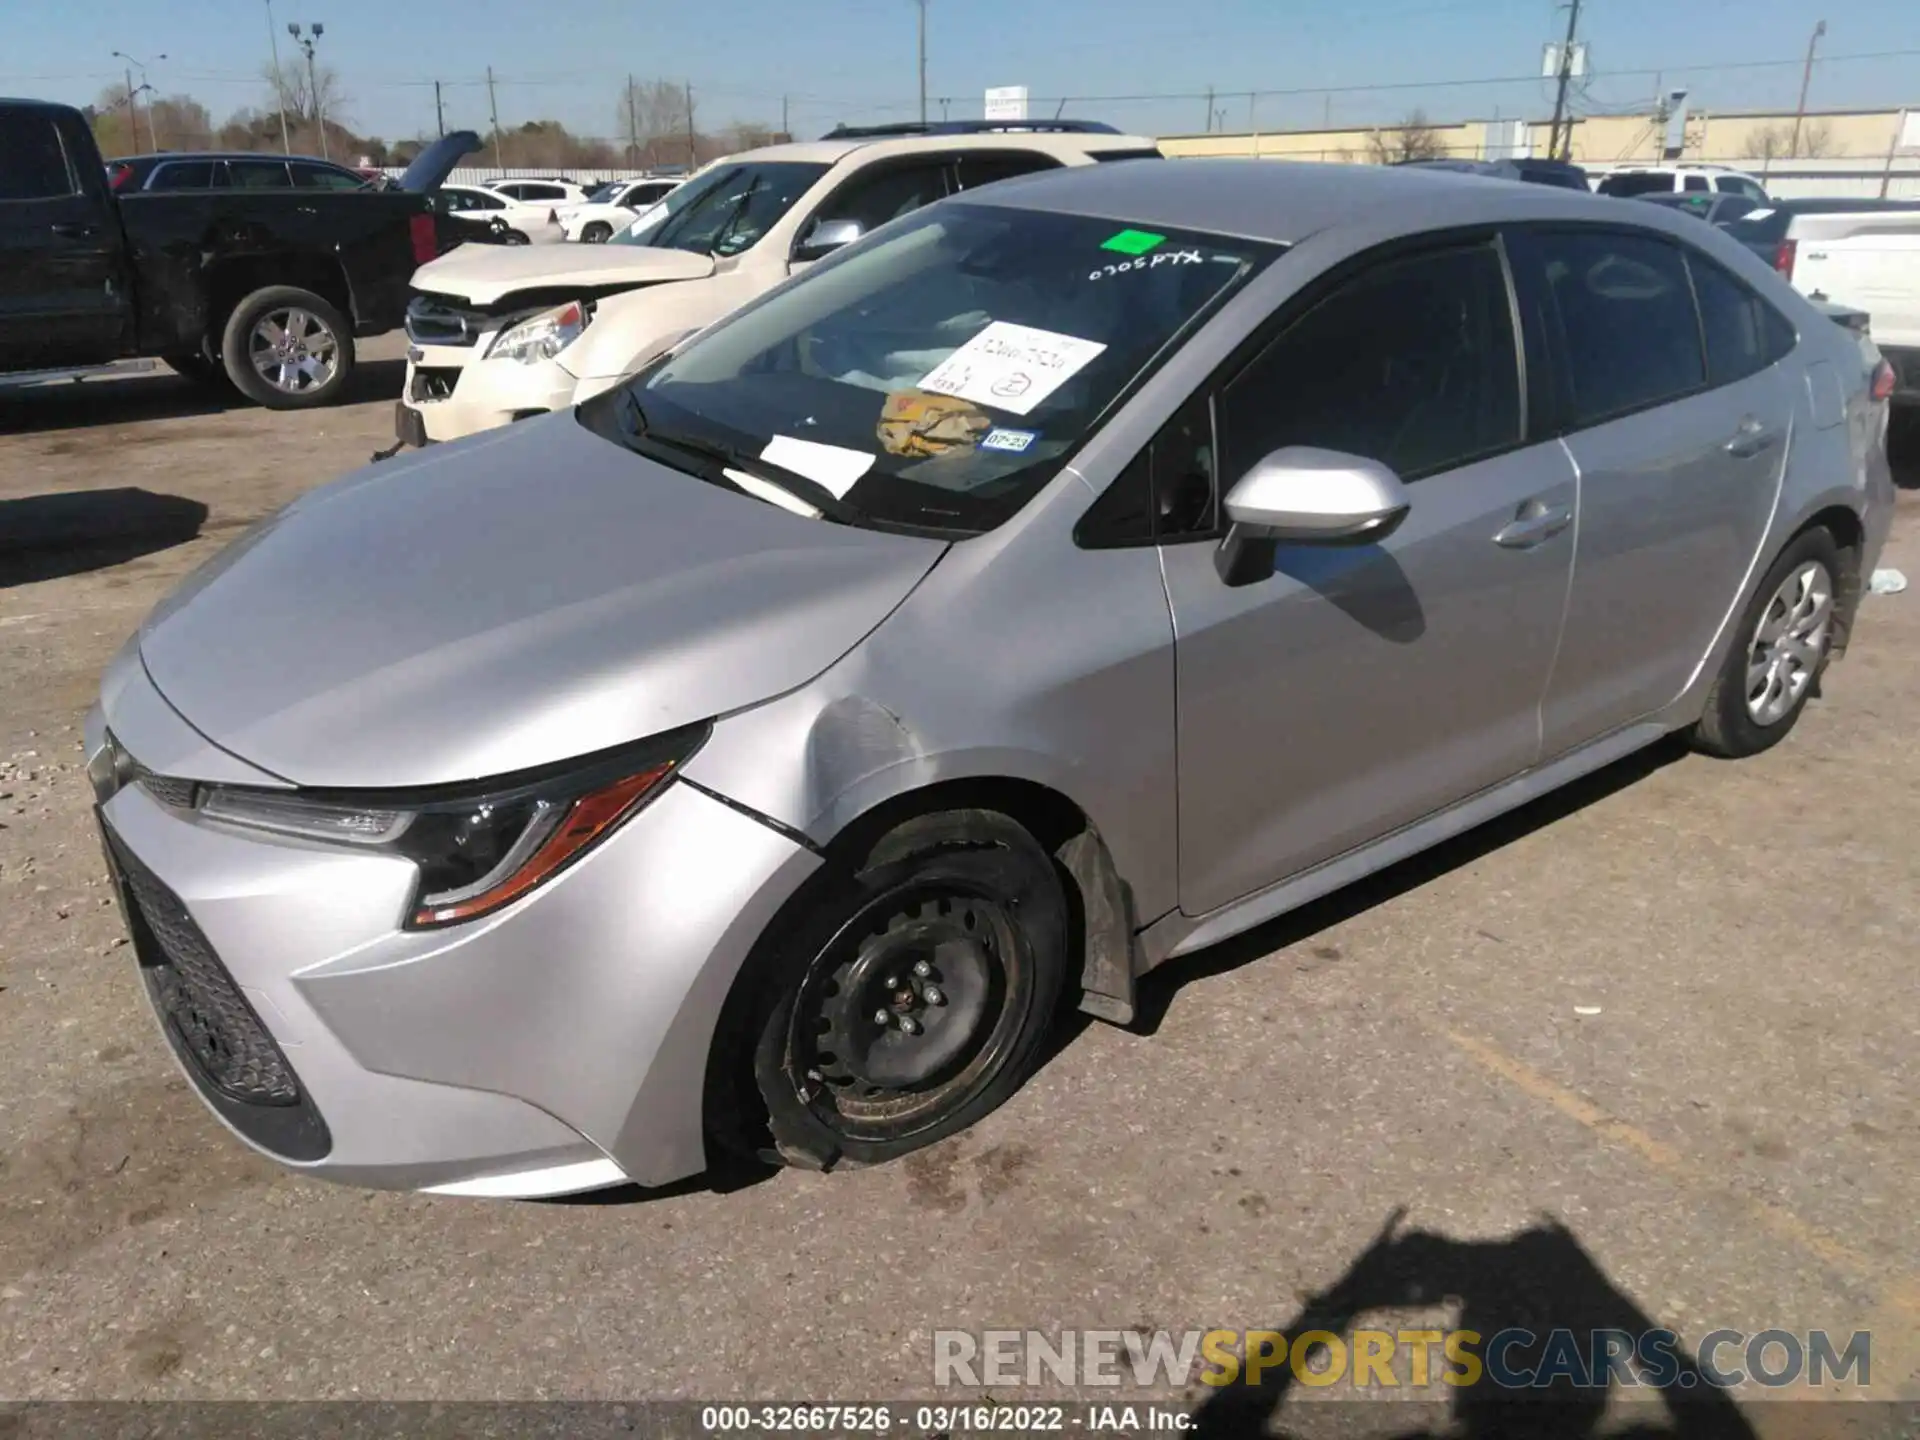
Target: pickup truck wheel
pixel 287 349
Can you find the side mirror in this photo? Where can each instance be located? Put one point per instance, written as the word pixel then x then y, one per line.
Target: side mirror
pixel 826 237
pixel 1305 495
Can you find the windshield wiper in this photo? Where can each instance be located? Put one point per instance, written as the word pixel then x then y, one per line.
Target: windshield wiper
pixel 801 487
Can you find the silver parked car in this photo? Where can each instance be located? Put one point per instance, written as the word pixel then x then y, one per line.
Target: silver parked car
pixel 1064 578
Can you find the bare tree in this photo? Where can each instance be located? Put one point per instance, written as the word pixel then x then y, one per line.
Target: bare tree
pixel 745 135
pixel 1412 139
pixel 1776 141
pixel 653 121
pixel 307 98
pixel 178 122
pixel 114 123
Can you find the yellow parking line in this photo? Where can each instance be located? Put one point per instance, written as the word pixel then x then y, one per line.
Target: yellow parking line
pixel 1893 1319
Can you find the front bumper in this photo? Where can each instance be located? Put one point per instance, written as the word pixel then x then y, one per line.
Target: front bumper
pixel 452 391
pixel 560 1044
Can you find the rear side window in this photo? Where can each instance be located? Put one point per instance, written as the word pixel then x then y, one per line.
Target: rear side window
pixel 33 162
pixel 1740 342
pixel 1740 185
pixel 978 170
pixel 258 175
pixel 1696 185
pixel 1625 306
pixel 1636 184
pixel 325 177
pixel 1145 153
pixel 1411 363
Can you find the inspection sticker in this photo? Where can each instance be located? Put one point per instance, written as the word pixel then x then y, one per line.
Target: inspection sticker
pixel 1134 242
pixel 1011 367
pixel 1014 441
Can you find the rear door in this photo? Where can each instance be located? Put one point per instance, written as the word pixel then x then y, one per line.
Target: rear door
pixel 1679 430
pixel 62 301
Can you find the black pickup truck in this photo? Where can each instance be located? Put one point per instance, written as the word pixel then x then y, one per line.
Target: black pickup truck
pixel 263 289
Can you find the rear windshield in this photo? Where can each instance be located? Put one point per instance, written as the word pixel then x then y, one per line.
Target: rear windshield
pixel 938 374
pixel 1635 184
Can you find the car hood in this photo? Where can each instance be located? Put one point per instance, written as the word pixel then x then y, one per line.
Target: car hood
pixel 432 165
pixel 520 598
pixel 484 276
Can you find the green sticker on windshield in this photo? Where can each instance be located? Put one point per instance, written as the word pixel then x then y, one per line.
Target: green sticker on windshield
pixel 1135 242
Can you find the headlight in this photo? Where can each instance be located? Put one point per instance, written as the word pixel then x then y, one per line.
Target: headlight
pixel 484 846
pixel 543 336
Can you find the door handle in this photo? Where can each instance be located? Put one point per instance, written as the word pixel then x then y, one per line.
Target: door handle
pixel 1533 524
pixel 1750 439
pixel 75 229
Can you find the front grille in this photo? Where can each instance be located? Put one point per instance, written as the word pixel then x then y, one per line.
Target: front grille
pixel 433 382
pixel 431 321
pixel 168 790
pixel 198 999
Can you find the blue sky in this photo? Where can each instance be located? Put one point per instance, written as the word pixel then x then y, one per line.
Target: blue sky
pixel 854 59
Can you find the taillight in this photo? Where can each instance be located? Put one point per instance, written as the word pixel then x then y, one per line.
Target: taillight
pixel 1783 257
pixel 118 175
pixel 426 238
pixel 1884 381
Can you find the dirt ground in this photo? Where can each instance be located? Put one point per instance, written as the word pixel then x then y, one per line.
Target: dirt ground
pixel 1645 1051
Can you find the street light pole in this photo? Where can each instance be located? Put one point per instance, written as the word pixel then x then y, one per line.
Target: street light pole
pixel 306 43
pixel 133 98
pixel 1806 78
pixel 923 62
pixel 279 82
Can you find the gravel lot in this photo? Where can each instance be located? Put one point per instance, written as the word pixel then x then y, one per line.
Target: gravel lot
pixel 1646 1050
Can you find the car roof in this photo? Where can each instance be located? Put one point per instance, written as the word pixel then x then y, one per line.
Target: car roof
pixel 1839 204
pixel 832 152
pixel 1286 202
pixel 160 157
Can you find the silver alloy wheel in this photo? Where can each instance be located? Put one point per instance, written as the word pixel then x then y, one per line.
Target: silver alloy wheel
pixel 1789 643
pixel 293 350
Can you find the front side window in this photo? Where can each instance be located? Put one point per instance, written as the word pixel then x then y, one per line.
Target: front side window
pixel 33 162
pixel 984 168
pixel 1625 307
pixel 1412 363
pixel 938 376
pixel 472 200
pixel 258 175
pixel 726 210
pixel 874 197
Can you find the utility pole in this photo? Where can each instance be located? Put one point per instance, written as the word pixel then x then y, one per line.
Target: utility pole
pixel 633 126
pixel 133 98
pixel 315 30
pixel 923 62
pixel 786 132
pixel 693 145
pixel 493 118
pixel 279 81
pixel 1209 109
pixel 1555 148
pixel 1806 78
pixel 439 112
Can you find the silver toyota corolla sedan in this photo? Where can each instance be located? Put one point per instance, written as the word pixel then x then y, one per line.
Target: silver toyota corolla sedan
pixel 1065 578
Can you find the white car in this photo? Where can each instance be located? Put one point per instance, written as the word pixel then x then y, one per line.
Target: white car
pixel 613 208
pixel 1683 179
pixel 534 222
pixel 499 335
pixel 562 195
pixel 1859 253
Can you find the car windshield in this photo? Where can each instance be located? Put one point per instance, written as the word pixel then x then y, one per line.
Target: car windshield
pixel 600 194
pixel 726 210
pixel 937 375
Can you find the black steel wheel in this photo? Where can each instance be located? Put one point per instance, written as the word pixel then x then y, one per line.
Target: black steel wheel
pixel 913 996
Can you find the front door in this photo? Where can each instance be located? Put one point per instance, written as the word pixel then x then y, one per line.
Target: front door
pixel 1358 688
pixel 1680 425
pixel 61 300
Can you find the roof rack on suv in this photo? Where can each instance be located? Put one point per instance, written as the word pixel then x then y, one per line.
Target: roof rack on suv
pixel 968 127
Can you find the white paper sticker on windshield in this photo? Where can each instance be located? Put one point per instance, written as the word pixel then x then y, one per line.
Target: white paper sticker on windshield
pixel 830 465
pixel 1011 367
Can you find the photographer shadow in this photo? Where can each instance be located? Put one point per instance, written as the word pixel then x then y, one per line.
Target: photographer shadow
pixel 1539 1280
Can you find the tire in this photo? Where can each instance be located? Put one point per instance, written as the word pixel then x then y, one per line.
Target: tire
pixel 598 233
pixel 1765 682
pixel 968 917
pixel 198 369
pixel 316 368
pixel 515 237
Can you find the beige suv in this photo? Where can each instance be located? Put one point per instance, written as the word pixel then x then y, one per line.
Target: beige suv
pixel 501 333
